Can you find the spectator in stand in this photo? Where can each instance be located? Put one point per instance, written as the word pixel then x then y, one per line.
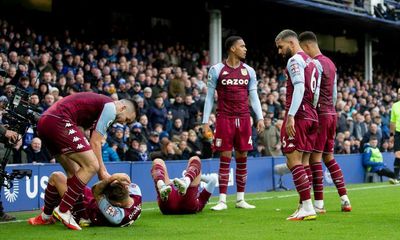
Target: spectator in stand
pixel 133 151
pixel 269 143
pixel 157 113
pixel 37 154
pixel 373 131
pixel 360 127
pixel 108 153
pixel 153 144
pixel 177 129
pixel 194 143
pixel 176 85
pixel 137 133
pixel 179 110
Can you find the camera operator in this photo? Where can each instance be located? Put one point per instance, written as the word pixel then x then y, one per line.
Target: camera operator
pixel 11 136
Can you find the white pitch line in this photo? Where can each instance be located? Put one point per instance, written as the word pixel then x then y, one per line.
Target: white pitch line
pixel 259 198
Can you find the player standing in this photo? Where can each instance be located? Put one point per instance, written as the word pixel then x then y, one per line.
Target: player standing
pixel 236 83
pixel 324 144
pixel 301 121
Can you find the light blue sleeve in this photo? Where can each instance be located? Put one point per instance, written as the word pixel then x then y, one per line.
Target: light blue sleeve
pixel 253 95
pixel 134 189
pixel 253 78
pixel 297 98
pixel 334 94
pixel 107 117
pixel 318 84
pixel 113 214
pixel 295 68
pixel 211 85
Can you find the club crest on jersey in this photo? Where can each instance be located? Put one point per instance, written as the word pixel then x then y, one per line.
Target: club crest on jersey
pixel 243 71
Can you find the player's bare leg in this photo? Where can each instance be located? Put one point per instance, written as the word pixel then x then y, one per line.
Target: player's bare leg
pixel 241 179
pixel 300 179
pixel 223 178
pixel 88 167
pixel 338 180
pixel 161 179
pixel 191 177
pixel 317 181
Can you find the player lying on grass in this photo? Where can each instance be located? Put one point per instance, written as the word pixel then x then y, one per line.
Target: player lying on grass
pixel 113 201
pixel 181 196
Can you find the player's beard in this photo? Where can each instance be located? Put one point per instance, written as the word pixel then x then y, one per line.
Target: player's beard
pixel 288 53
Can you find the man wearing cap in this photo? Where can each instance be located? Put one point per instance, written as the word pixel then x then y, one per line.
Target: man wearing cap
pixel 136 132
pixel 154 142
pixel 395 133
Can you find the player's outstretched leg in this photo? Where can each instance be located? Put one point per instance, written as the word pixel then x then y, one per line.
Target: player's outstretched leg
pixel 159 173
pixel 241 179
pixel 223 178
pixel 338 180
pixel 192 171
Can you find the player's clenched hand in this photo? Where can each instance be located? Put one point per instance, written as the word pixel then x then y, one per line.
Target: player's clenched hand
pixel 260 126
pixel 290 130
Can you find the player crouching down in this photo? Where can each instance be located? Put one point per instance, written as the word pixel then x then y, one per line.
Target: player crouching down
pixel 114 201
pixel 181 196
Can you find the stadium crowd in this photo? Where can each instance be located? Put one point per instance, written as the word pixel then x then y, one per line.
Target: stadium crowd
pixel 169 84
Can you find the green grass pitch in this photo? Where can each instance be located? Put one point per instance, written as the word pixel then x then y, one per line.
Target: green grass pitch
pixel 375 215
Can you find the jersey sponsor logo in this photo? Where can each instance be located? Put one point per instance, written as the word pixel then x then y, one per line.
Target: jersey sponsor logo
pixel 137 209
pixel 71 131
pixel 76 139
pixel 234 81
pixel 225 73
pixel 67 125
pixel 79 146
pixel 243 71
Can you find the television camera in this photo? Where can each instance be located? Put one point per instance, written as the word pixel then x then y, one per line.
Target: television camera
pixel 18 115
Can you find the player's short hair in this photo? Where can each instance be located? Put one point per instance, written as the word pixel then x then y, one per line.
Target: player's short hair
pixel 116 192
pixel 230 41
pixel 287 33
pixel 132 106
pixel 307 36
